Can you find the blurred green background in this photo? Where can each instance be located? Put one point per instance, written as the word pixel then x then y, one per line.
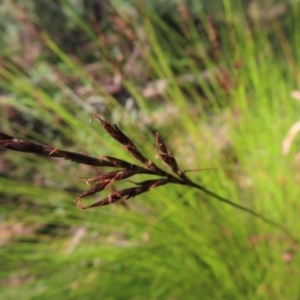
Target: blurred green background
pixel 219 81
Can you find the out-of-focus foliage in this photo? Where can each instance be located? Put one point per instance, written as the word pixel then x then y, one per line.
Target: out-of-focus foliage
pixel 216 88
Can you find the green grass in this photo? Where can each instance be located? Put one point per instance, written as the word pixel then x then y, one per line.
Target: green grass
pixel 173 242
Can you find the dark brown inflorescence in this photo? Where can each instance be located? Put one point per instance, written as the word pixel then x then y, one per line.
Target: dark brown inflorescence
pixel 124 169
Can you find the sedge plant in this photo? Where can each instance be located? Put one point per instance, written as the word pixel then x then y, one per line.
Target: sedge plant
pixel 125 169
pixel 173 241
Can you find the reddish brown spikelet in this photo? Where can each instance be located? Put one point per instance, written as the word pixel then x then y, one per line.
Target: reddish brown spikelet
pixel 28 147
pixel 119 136
pixel 128 193
pixel 166 155
pixel 112 176
pixel 93 190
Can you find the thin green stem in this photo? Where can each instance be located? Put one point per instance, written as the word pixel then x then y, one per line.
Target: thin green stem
pixel 245 209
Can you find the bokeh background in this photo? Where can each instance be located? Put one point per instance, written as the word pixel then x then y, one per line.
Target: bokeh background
pixel 219 80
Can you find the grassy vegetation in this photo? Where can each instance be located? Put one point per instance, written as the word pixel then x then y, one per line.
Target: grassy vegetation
pixel 173 242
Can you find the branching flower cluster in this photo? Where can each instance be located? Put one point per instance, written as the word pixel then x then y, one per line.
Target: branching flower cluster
pixel 124 170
